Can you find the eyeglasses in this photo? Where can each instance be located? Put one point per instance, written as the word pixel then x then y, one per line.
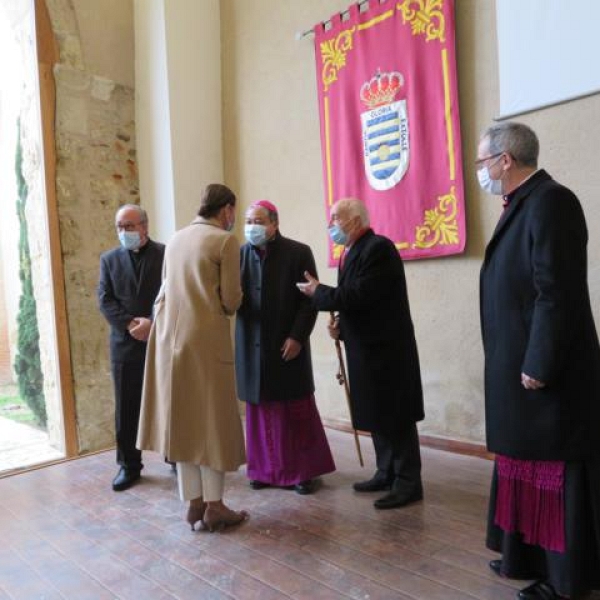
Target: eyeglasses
pixel 480 161
pixel 127 226
pixel 337 219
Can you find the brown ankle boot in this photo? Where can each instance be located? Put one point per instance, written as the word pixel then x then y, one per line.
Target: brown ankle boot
pixel 218 518
pixel 195 514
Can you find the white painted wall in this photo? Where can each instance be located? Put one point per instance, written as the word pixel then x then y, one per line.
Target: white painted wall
pixel 272 150
pixel 178 107
pixel 152 114
pixel 194 66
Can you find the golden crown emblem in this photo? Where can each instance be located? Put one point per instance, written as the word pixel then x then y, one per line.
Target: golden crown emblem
pixel 382 89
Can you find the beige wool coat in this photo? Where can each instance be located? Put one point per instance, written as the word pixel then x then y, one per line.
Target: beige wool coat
pixel 189 408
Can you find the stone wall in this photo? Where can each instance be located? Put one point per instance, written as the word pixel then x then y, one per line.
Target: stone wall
pixel 96 172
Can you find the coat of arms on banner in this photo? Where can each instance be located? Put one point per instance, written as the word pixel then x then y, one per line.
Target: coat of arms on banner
pixel 384 131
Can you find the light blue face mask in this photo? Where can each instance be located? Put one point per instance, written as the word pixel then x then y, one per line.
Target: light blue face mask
pixel 337 235
pixel 487 184
pixel 130 240
pixel 255 234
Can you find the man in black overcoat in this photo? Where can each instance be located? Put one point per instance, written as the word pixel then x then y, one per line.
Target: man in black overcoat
pixel 285 440
pixel 375 325
pixel 130 277
pixel 542 374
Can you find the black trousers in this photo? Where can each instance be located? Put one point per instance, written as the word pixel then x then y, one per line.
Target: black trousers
pixel 398 456
pixel 128 379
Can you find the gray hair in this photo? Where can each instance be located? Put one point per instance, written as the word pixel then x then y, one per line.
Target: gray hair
pixel 516 139
pixel 141 212
pixel 355 208
pixel 272 215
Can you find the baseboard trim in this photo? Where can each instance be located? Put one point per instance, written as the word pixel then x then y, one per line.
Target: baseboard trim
pixel 49 463
pixel 456 446
pixel 430 441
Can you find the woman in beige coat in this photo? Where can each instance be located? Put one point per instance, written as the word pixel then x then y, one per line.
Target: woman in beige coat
pixel 189 408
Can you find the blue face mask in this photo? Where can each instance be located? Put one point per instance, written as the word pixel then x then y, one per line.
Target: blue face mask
pixel 489 185
pixel 337 235
pixel 130 240
pixel 256 234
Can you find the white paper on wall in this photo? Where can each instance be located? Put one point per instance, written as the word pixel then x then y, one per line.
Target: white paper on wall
pixel 548 52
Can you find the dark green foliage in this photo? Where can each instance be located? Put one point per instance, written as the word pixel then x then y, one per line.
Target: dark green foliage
pixel 27 361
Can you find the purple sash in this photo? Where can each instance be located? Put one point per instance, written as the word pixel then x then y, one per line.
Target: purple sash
pixel 530 500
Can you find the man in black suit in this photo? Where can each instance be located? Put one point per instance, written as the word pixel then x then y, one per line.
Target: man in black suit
pixel 542 375
pixel 130 277
pixel 383 364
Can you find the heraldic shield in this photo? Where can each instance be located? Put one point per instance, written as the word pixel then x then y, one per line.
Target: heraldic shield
pixel 384 132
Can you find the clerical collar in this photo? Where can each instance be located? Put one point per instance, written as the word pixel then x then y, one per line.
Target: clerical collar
pixel 507 198
pixel 139 251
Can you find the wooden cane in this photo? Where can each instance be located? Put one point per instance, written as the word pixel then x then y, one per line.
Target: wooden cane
pixel 343 380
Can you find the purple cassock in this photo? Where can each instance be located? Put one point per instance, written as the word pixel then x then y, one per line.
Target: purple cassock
pixel 286 442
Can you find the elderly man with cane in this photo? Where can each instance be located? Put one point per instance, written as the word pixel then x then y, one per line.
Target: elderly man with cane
pixel 375 325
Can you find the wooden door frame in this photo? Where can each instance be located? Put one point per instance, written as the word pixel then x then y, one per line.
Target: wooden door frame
pixel 48 56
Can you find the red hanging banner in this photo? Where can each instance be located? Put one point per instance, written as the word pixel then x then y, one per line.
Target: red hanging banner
pixel 390 130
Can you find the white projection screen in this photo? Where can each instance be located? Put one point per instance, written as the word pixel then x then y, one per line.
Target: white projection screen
pixel 548 52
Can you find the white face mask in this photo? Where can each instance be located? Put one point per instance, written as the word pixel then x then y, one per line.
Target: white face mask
pixel 255 234
pixel 337 235
pixel 489 185
pixel 130 240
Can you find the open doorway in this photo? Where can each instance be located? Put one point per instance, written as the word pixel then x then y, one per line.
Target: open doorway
pixel 32 424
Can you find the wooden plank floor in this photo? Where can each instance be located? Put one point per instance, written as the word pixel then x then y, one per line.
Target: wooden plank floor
pixel 66 535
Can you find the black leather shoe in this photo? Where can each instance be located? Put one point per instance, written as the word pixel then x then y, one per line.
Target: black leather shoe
pixel 258 485
pixel 377 483
pixel 399 496
pixel 304 487
pixel 496 566
pixel 125 479
pixel 540 590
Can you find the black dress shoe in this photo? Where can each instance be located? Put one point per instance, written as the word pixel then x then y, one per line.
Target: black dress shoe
pixel 258 485
pixel 377 483
pixel 399 496
pixel 496 566
pixel 125 479
pixel 540 590
pixel 304 487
